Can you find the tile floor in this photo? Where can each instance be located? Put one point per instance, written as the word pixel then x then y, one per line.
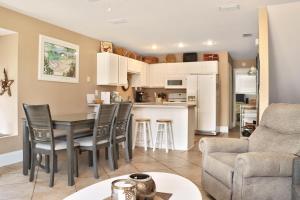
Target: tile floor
pixel 13 185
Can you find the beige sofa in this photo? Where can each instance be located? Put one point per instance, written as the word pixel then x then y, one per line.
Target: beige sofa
pixel 257 168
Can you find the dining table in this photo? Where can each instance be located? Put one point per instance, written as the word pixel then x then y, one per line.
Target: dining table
pixel 72 124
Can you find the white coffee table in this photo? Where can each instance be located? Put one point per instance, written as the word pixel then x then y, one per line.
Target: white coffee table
pixel 180 187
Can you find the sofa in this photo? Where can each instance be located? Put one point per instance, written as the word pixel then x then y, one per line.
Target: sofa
pixel 259 167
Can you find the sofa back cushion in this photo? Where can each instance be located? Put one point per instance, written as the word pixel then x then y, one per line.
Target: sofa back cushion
pixel 279 130
pixel 284 118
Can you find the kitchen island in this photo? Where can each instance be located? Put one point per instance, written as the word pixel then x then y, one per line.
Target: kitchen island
pixel 183 121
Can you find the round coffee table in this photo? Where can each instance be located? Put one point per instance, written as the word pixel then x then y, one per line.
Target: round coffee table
pixel 180 187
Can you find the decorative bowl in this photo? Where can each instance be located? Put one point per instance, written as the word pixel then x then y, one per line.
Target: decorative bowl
pixel 145 185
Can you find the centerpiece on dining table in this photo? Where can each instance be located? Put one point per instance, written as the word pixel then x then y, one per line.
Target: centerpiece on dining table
pixel 138 186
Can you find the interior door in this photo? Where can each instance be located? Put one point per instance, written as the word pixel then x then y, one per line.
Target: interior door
pixel 207 103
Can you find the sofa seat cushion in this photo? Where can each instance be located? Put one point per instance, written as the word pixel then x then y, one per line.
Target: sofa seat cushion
pixel 221 166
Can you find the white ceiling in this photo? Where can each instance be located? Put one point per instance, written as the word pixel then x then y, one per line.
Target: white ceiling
pixel 161 22
pixel 6 32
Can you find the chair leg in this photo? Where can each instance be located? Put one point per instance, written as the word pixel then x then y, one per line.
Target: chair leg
pixel 172 136
pixel 32 166
pixel 113 162
pixel 117 151
pixel 135 134
pixel 167 137
pixel 95 163
pixel 106 153
pixel 145 136
pixel 47 167
pixel 76 163
pixel 52 164
pixel 150 133
pixel 127 157
pixel 90 158
pixel 55 163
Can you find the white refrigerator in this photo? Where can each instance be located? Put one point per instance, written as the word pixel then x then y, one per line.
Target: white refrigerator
pixel 202 91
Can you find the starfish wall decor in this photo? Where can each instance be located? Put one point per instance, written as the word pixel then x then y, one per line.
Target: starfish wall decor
pixel 5 84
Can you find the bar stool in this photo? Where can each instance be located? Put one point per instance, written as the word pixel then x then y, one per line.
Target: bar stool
pixel 143 130
pixel 164 128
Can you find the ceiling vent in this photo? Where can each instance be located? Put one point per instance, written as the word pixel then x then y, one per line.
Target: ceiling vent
pixel 245 35
pixel 118 21
pixel 229 7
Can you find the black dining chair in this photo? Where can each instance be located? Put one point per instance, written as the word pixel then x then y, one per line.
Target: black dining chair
pixel 102 135
pixel 43 141
pixel 122 129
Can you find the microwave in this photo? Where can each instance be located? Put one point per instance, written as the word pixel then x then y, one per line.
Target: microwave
pixel 175 82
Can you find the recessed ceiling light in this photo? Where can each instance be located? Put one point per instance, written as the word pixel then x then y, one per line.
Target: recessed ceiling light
pixel 209 43
pixel 108 9
pixel 180 45
pixel 229 7
pixel 154 46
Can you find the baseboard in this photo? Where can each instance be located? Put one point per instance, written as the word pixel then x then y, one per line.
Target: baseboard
pixel 11 158
pixel 222 129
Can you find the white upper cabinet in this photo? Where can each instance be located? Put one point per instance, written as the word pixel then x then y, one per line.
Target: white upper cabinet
pixel 111 69
pixel 134 66
pixel 141 79
pixel 123 66
pixel 157 75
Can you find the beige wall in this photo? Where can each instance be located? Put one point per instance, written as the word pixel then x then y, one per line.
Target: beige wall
pixel 264 60
pixel 225 83
pixel 62 97
pixel 9 104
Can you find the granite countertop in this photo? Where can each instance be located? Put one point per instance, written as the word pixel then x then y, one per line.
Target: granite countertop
pixel 158 105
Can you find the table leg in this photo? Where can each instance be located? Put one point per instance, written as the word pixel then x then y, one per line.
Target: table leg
pixel 70 155
pixel 26 149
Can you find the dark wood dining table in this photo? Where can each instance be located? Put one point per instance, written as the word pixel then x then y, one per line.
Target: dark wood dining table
pixel 72 124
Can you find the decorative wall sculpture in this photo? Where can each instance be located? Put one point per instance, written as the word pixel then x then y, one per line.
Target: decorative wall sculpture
pixel 5 84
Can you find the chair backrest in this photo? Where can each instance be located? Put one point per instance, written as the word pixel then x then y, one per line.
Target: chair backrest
pixel 105 122
pixel 279 130
pixel 123 118
pixel 39 123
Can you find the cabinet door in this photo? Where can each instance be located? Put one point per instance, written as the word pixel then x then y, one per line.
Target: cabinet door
pixel 141 79
pixel 157 74
pixel 133 66
pixel 123 63
pixel 107 69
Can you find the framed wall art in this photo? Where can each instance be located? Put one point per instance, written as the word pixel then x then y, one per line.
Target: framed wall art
pixel 58 60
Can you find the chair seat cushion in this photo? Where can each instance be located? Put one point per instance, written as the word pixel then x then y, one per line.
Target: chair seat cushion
pixel 88 141
pixel 59 145
pixel 221 166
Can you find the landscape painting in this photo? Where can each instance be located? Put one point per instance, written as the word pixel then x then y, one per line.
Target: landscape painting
pixel 58 60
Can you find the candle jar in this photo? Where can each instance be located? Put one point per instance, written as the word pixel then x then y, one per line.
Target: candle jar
pixel 145 186
pixel 123 189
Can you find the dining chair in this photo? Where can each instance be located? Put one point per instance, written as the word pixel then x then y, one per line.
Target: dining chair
pixel 102 135
pixel 42 140
pixel 122 129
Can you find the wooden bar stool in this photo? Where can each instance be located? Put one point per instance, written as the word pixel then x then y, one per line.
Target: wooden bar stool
pixel 164 128
pixel 143 130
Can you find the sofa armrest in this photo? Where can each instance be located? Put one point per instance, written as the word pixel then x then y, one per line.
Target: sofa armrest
pixel 296 171
pixel 228 145
pixel 268 164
